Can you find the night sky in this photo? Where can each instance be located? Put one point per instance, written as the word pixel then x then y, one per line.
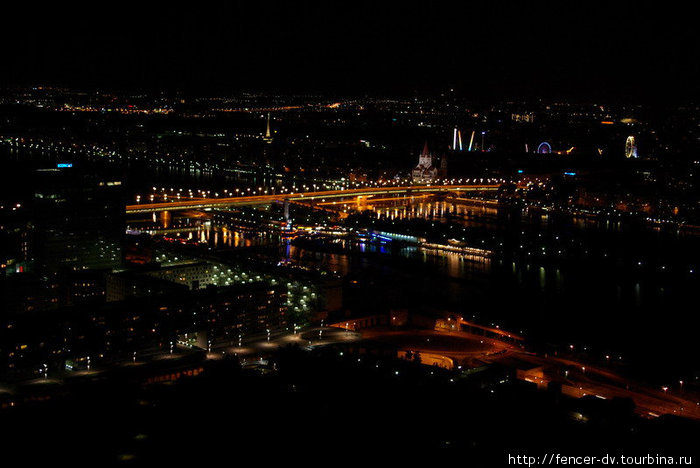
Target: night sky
pixel 629 51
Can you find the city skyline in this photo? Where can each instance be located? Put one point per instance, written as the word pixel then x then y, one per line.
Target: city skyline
pixel 308 231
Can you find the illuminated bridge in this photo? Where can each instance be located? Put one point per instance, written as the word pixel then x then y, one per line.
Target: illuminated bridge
pixel 204 203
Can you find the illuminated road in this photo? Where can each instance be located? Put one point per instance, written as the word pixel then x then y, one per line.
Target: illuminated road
pixel 204 203
pixel 461 347
pixel 585 379
pixel 259 345
pixel 581 379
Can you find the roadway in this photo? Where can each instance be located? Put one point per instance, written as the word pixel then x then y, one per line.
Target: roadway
pixel 248 200
pixel 580 379
pixel 463 348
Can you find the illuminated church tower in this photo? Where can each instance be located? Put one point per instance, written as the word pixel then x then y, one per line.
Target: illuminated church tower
pixel 268 135
pixel 425 171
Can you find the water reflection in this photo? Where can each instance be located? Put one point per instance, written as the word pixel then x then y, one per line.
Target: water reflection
pixel 436 210
pixel 567 278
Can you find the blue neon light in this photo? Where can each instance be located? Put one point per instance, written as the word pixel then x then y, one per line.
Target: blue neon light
pixel 60 165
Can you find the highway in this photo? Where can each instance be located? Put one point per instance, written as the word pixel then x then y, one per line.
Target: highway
pixel 472 350
pixel 462 348
pixel 581 379
pixel 204 203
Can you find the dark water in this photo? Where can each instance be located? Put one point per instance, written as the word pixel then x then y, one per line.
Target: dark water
pixel 607 286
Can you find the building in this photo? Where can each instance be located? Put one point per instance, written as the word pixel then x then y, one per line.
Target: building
pixel 73 337
pixel 56 247
pixel 125 284
pixel 16 234
pixel 79 219
pixel 426 171
pixel 194 275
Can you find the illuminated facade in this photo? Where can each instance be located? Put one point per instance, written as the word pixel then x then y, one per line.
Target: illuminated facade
pixel 426 170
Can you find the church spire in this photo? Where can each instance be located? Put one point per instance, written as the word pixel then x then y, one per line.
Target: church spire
pixel 268 135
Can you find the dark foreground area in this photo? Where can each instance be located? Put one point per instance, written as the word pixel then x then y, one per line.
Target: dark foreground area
pixel 319 407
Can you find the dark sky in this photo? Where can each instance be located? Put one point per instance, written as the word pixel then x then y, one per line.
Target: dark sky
pixel 627 50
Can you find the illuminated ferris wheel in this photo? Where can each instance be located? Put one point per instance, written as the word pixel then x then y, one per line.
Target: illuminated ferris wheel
pixel 631 147
pixel 544 148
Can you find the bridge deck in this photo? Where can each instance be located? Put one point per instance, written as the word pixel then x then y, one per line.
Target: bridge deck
pixel 264 199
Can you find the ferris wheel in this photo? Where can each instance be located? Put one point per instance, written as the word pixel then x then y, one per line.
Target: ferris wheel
pixel 544 148
pixel 631 147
